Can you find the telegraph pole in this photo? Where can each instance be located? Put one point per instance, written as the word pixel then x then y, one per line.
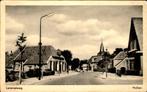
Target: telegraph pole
pixel 106 55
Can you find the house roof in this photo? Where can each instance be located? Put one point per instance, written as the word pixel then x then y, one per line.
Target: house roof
pixel 96 58
pixel 139 30
pixel 93 57
pixel 99 57
pixel 90 60
pixel 31 54
pixel 136 32
pixel 121 55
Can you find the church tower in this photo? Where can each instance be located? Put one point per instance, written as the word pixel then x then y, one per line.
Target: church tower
pixel 101 49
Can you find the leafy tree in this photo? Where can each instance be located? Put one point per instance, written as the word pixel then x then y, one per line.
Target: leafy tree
pixel 59 52
pixel 75 63
pixel 68 56
pixel 117 50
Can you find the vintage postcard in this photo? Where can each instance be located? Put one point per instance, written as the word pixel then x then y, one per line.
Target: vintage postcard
pixel 55 46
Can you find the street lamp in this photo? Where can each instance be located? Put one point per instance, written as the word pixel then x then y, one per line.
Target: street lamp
pixel 40 43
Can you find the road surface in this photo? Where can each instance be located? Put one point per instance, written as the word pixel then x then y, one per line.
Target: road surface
pixel 87 78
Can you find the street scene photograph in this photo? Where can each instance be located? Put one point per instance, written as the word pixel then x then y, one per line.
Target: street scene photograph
pixel 74 45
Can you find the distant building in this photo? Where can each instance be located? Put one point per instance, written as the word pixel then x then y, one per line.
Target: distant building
pixel 50 59
pixel 135 46
pixel 9 64
pixel 85 67
pixel 120 61
pixel 97 62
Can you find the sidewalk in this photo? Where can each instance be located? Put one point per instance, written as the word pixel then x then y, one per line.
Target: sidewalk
pixel 113 76
pixel 35 80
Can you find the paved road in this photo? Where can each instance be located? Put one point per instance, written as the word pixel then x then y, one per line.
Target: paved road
pixel 88 78
pixel 83 78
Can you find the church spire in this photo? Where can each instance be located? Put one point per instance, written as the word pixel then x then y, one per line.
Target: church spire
pixel 101 48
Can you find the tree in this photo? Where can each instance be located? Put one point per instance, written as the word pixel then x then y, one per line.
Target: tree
pixel 75 63
pixel 59 52
pixel 21 45
pixel 106 58
pixel 117 50
pixel 68 56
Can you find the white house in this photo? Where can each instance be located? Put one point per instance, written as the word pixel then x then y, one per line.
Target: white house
pixel 50 59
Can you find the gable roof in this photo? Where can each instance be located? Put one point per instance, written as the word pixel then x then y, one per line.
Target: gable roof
pixel 92 57
pixel 136 32
pixel 99 58
pixel 138 24
pixel 31 54
pixel 120 56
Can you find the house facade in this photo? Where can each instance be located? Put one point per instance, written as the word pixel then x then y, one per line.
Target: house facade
pixel 50 59
pixel 135 46
pixel 120 62
pixel 130 61
pixel 97 62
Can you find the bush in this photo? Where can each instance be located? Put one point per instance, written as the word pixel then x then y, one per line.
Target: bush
pixel 32 73
pixel 118 73
pixel 123 70
pixel 112 70
pixel 48 72
pixel 11 76
pixel 24 75
pixel 36 73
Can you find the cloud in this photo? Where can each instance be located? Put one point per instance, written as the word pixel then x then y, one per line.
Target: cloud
pixel 83 50
pixel 58 18
pixel 81 36
pixel 10 42
pixel 75 27
pixel 13 26
pixel 34 40
pixel 72 29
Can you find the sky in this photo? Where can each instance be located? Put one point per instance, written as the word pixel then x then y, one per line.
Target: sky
pixel 80 29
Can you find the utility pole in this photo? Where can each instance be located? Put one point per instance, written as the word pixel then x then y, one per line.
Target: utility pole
pixel 106 58
pixel 21 45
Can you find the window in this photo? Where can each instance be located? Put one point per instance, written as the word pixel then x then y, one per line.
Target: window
pixel 131 65
pixel 133 44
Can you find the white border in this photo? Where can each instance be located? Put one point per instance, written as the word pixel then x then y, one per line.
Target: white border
pixel 67 88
